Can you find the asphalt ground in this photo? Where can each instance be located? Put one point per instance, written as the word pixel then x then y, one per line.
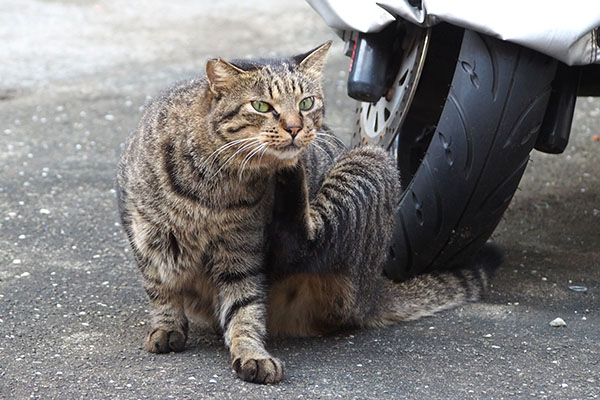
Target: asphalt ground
pixel 74 78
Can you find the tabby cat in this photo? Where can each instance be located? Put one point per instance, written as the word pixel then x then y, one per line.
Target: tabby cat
pixel 244 212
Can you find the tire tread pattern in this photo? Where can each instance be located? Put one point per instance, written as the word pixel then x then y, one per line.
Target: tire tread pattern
pixel 477 156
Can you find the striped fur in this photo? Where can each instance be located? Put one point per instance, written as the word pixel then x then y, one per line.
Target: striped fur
pixel 257 222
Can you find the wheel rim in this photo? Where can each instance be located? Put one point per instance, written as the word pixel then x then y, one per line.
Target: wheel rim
pixel 378 123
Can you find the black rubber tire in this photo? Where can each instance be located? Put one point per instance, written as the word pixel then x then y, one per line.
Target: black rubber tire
pixel 476 157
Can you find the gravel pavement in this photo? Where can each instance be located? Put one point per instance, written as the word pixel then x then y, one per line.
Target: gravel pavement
pixel 74 77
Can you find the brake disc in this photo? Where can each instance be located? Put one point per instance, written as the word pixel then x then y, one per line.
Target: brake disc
pixel 378 123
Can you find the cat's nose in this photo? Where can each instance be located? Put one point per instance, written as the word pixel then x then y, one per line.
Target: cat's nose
pixel 292 129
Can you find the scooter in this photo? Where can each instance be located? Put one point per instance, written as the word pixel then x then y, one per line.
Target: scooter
pixel 460 92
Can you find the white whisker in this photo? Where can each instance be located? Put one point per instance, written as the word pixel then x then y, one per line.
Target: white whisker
pixel 323 150
pixel 262 154
pixel 333 137
pixel 327 144
pixel 242 148
pixel 249 157
pixel 208 163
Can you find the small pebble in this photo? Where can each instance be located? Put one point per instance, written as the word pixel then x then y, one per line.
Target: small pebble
pixel 578 288
pixel 212 381
pixel 17 261
pixel 558 322
pixel 109 117
pixel 44 211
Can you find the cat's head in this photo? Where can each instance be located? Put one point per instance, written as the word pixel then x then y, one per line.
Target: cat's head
pixel 272 108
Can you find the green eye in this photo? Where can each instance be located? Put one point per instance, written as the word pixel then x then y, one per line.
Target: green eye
pixel 307 103
pixel 261 106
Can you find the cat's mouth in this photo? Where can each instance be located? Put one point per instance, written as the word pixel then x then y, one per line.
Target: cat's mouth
pixel 288 151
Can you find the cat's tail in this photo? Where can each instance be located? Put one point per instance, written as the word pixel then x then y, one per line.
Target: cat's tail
pixel 426 294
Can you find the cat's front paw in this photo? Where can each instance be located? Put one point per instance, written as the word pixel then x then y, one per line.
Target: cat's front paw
pixel 161 340
pixel 259 370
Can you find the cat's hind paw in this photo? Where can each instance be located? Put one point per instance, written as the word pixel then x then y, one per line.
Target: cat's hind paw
pixel 259 370
pixel 161 340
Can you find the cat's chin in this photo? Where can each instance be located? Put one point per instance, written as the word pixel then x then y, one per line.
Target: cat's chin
pixel 287 153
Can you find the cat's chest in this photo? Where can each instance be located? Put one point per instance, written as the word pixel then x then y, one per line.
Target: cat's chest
pixel 199 226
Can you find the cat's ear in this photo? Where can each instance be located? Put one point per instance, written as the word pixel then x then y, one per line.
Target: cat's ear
pixel 221 74
pixel 313 61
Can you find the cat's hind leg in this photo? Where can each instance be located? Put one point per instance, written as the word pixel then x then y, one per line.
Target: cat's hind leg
pixel 352 214
pixel 352 217
pixel 348 218
pixel 340 237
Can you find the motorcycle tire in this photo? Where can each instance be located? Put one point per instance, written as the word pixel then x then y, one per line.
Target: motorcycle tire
pixel 456 192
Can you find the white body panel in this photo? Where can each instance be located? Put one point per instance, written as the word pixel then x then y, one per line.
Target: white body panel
pixel 564 30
